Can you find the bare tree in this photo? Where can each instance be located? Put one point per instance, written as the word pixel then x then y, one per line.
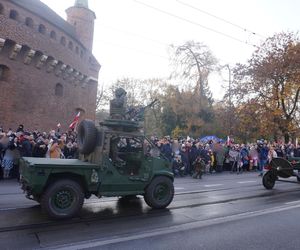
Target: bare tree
pixel 193 63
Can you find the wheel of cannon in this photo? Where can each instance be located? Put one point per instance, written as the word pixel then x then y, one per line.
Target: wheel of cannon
pixel 283 167
pixel 269 179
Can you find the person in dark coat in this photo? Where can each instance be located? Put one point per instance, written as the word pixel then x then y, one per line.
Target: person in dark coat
pixel 20 128
pixel 40 149
pixel 166 149
pixel 262 156
pixel 185 159
pixel 193 153
pixel 69 151
pixel 26 146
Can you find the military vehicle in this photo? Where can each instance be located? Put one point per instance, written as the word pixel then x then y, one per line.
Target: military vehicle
pixel 116 159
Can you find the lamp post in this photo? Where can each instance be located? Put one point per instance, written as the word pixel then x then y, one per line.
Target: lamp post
pixel 229 98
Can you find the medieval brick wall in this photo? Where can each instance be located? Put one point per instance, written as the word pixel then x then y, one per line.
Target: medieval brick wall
pixel 46 73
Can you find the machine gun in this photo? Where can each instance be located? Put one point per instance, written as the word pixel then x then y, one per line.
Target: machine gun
pixel 137 113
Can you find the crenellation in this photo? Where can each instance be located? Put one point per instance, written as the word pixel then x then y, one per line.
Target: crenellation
pixel 58 70
pixel 29 56
pixel 2 42
pixel 15 51
pixel 51 65
pixel 41 61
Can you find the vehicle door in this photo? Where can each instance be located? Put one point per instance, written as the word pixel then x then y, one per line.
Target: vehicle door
pixel 124 168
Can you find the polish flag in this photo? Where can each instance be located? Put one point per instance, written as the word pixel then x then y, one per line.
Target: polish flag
pixel 75 121
pixel 228 140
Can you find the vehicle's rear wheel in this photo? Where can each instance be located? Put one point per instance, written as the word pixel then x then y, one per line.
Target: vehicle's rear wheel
pixel 62 199
pixel 269 179
pixel 160 192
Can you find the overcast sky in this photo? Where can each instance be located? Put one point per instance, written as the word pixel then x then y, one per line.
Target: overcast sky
pixel 131 37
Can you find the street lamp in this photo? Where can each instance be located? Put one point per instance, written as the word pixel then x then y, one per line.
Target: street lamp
pixel 229 97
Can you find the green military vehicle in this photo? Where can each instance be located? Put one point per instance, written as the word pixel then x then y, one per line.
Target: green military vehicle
pixel 116 159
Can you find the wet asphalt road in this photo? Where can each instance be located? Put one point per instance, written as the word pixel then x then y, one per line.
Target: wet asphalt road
pixel 221 211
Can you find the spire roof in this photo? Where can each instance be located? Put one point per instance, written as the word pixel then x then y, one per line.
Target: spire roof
pixel 82 3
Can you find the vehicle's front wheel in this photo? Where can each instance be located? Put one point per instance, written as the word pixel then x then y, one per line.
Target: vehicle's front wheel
pixel 269 179
pixel 62 199
pixel 160 192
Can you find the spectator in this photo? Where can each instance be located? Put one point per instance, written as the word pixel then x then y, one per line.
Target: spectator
pixel 40 148
pixel 10 160
pixel 271 154
pixel 26 145
pixel 55 151
pixel 185 159
pixel 262 156
pixel 69 151
pixel 166 149
pixel 20 128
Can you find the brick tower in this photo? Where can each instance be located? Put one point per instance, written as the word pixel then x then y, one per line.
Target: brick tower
pixel 82 18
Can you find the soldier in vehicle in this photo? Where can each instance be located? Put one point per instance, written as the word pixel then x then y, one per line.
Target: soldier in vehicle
pixel 114 150
pixel 118 104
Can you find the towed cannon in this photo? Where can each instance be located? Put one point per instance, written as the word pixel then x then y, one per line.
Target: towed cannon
pixel 280 167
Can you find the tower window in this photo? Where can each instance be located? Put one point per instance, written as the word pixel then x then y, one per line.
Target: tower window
pixel 29 22
pixel 42 29
pixel 13 15
pixel 70 45
pixel 1 9
pixel 59 89
pixel 63 41
pixel 77 50
pixel 53 35
pixel 4 72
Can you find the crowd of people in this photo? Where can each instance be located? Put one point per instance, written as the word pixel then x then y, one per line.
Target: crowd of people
pixel 187 156
pixel 22 143
pixel 194 157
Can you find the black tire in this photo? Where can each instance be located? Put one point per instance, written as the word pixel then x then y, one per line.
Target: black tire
pixel 87 136
pixel 62 199
pixel 160 192
pixel 269 179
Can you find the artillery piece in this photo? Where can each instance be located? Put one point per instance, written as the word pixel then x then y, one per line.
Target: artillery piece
pixel 279 167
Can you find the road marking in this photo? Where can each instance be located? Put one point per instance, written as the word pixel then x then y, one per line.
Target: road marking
pixel 179 188
pixel 243 182
pixel 213 185
pixel 292 202
pixel 11 208
pixel 172 229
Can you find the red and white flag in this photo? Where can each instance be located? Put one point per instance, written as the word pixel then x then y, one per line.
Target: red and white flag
pixel 228 140
pixel 75 121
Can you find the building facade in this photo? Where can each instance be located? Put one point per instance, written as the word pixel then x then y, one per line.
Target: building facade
pixel 47 70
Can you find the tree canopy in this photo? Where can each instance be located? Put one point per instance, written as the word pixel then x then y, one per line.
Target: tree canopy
pixel 269 84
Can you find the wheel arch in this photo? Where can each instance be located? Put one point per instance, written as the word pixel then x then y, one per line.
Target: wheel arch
pixel 164 173
pixel 70 176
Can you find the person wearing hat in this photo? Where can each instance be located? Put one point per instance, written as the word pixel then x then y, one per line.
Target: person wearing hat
pixel 20 128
